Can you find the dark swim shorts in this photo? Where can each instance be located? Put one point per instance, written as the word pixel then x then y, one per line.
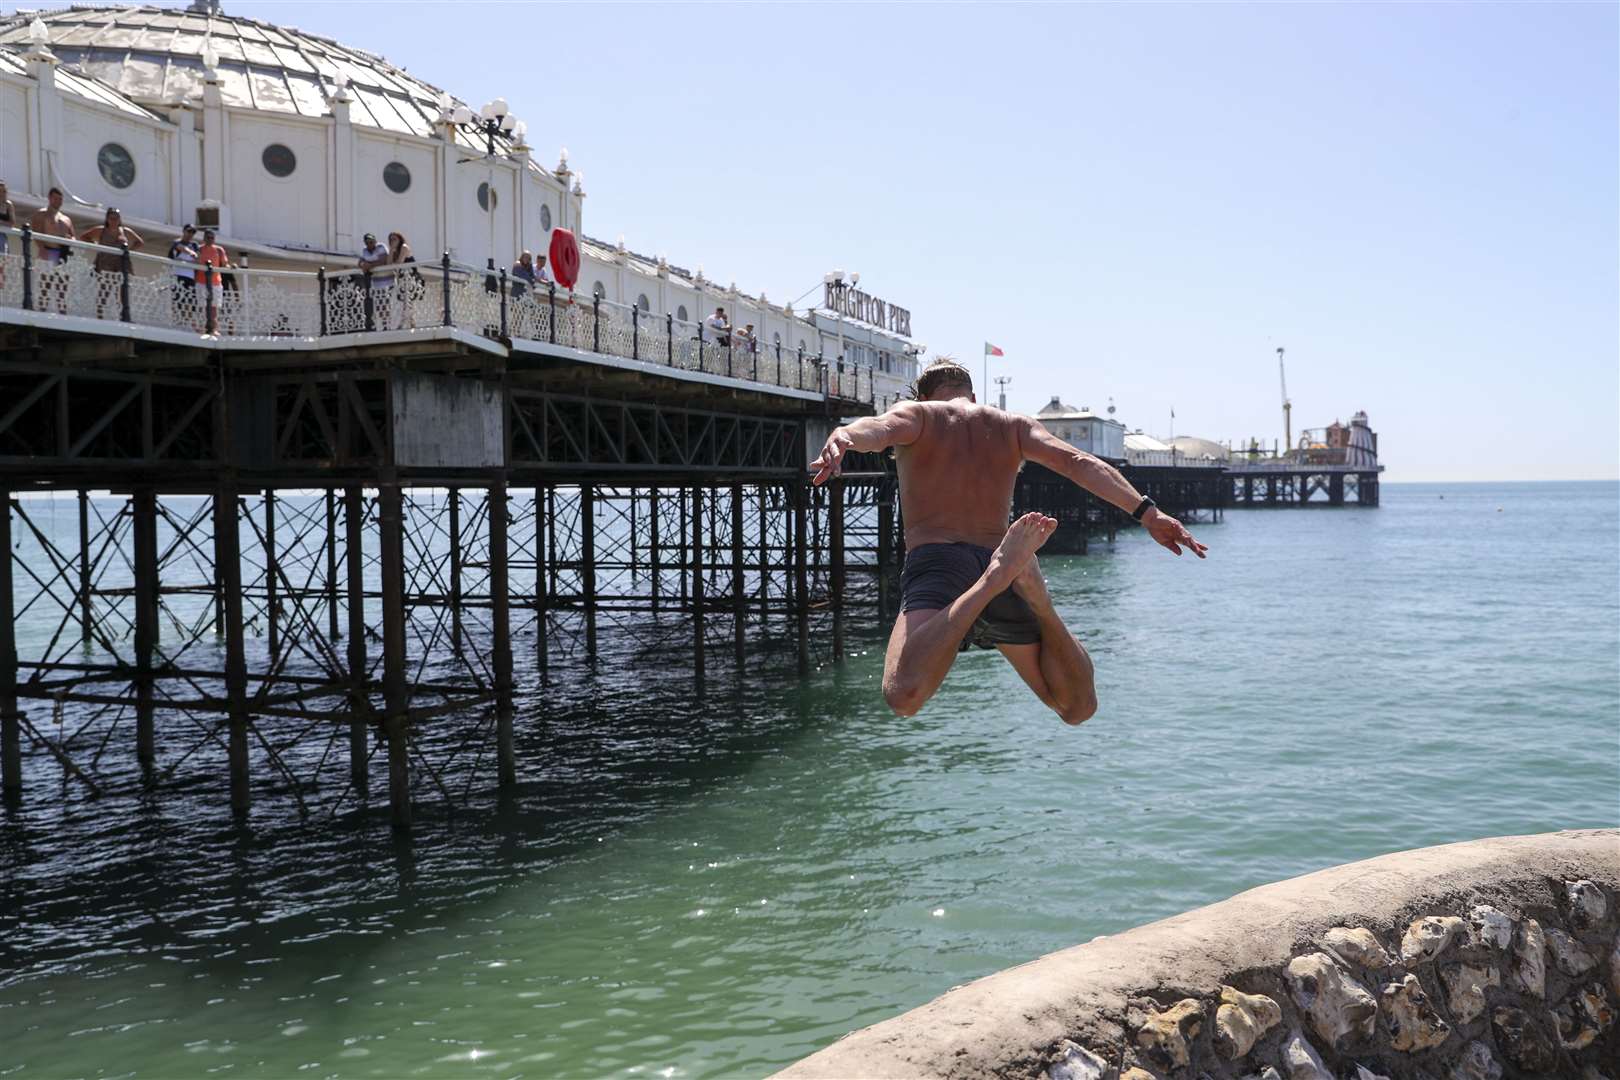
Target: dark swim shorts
pixel 936 574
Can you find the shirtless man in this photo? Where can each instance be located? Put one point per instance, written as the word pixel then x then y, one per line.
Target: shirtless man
pixel 49 220
pixel 969 577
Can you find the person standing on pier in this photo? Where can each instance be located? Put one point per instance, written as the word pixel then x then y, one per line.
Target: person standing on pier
pixel 970 579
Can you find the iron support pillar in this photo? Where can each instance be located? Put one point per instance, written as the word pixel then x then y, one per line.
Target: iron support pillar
pixel 354 517
pixel 738 597
pixel 333 631
pixel 542 571
pixel 697 586
pixel 500 615
pixel 84 567
pixel 885 547
pixel 228 573
pixel 587 567
pixel 272 570
pixel 396 722
pixel 653 560
pixel 10 719
pixel 799 492
pixel 835 530
pixel 144 509
pixel 455 570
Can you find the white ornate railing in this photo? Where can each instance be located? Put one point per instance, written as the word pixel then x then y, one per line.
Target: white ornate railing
pixel 58 274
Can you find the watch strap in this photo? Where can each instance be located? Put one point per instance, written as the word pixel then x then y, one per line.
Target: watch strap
pixel 1142 508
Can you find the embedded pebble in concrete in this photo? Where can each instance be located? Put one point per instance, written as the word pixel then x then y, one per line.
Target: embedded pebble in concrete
pixel 1567 953
pixel 1587 904
pixel 1410 1020
pixel 1242 1019
pixel 1476 1063
pixel 1364 1073
pixel 1268 1074
pixel 1302 1062
pixel 1356 945
pixel 1465 989
pixel 1075 1062
pixel 1337 1005
pixel 1522 1040
pixel 1136 1072
pixel 1428 937
pixel 1584 1017
pixel 1531 952
pixel 1614 970
pixel 1164 1035
pixel 1487 926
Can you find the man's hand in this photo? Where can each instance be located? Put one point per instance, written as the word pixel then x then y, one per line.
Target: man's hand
pixel 1171 533
pixel 830 463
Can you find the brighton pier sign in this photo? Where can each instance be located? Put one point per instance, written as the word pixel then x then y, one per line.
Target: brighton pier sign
pixel 869 309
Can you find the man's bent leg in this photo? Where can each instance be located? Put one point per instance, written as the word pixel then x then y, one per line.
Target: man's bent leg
pixel 924 643
pixel 1065 669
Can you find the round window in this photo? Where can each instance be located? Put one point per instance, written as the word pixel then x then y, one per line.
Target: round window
pixel 278 160
pixel 397 177
pixel 680 313
pixel 545 218
pixel 117 167
pixel 599 290
pixel 643 303
pixel 488 198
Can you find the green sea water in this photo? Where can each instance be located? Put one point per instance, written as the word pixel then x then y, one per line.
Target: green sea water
pixel 716 887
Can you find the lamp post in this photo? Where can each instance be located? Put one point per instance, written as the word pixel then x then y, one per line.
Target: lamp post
pixel 834 280
pixel 492 121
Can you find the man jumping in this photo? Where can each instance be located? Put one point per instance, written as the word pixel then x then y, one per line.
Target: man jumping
pixel 969 578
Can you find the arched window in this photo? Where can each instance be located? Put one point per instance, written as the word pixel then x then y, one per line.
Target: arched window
pixel 488 198
pixel 643 303
pixel 801 344
pixel 680 313
pixel 545 218
pixel 279 161
pixel 117 167
pixel 397 177
pixel 777 337
pixel 599 290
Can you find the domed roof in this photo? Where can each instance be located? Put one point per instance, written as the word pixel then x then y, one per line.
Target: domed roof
pixel 154 56
pixel 1194 447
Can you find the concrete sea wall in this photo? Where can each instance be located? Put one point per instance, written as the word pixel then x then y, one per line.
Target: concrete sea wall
pixel 1484 960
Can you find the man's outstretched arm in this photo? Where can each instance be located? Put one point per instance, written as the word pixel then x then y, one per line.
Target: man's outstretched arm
pixel 900 426
pixel 1102 480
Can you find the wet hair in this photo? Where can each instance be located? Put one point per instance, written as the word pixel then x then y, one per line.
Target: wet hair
pixel 942 372
pixel 55 191
pixel 111 210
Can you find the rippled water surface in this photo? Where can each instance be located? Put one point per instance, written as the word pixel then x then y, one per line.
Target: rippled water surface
pixel 688 888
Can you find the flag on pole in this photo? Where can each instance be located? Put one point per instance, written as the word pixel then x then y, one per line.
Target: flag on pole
pixel 992 350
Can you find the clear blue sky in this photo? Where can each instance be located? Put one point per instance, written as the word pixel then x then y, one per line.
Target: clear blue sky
pixel 1139 201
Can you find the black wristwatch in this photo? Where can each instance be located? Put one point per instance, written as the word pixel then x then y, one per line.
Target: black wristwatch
pixel 1142 508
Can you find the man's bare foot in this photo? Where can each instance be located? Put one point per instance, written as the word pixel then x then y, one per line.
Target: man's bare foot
pixel 1031 585
pixel 1024 538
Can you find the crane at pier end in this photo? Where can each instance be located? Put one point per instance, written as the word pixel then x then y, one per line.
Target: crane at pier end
pixel 1288 406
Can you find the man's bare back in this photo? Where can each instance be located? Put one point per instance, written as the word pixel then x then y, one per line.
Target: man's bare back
pixel 971 579
pixel 957 477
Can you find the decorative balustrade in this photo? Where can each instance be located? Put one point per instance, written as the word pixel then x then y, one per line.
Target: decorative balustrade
pixel 59 275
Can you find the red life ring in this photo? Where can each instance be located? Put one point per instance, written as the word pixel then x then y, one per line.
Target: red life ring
pixel 564 258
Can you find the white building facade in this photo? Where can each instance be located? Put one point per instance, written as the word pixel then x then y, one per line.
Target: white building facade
pixel 1084 429
pixel 294 146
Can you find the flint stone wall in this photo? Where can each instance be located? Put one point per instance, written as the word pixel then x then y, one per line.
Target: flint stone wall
pixel 1489 960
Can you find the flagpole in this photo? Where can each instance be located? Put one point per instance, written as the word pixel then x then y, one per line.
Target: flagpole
pixel 985 366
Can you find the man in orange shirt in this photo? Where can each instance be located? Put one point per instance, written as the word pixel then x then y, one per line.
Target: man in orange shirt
pixel 210 256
